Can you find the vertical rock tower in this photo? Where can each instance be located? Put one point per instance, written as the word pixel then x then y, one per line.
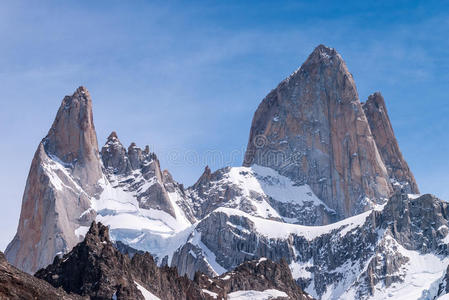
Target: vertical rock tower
pixel 379 121
pixel 312 129
pixel 63 177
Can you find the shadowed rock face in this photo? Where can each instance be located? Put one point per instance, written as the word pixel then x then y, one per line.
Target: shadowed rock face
pixel 62 178
pixel 15 284
pixel 259 275
pixel 114 156
pixel 379 121
pixel 93 268
pixel 312 129
pixel 443 287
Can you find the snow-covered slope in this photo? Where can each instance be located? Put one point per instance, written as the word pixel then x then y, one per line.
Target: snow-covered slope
pixel 247 191
pixel 256 295
pixel 397 249
pixel 383 253
pixel 258 191
pixel 143 206
pixel 148 229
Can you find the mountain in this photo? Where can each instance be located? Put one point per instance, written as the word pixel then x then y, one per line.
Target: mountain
pixel 324 190
pixel 63 177
pixel 397 247
pixel 96 269
pixel 71 183
pixel 312 129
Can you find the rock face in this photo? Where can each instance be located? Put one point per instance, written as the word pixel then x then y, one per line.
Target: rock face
pixel 15 284
pixel 443 287
pixel 73 140
pixel 114 156
pixel 93 268
pixel 61 181
pixel 136 171
pixel 96 269
pixel 258 275
pixel 398 170
pixel 312 129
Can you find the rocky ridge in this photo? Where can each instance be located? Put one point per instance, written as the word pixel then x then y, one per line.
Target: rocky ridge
pixel 138 171
pixel 367 256
pixel 16 284
pixel 256 275
pixel 259 191
pixel 96 269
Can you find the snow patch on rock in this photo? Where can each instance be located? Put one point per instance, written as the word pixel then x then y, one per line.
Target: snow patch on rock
pixel 256 295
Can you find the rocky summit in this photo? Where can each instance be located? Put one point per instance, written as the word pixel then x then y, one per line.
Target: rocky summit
pixel 324 206
pixel 312 128
pixel 63 177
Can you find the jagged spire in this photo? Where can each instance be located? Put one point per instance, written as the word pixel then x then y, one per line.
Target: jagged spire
pixel 72 137
pixel 382 130
pixel 112 136
pixel 204 178
pixel 54 200
pixel 114 155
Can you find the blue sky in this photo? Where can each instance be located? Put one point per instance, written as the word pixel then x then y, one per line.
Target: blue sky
pixel 185 77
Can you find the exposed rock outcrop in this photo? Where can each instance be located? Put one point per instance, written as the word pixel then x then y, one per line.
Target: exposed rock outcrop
pixel 312 129
pixel 93 268
pixel 138 171
pixel 73 140
pixel 15 285
pixel 379 121
pixel 443 286
pixel 114 156
pixel 63 177
pixel 258 275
